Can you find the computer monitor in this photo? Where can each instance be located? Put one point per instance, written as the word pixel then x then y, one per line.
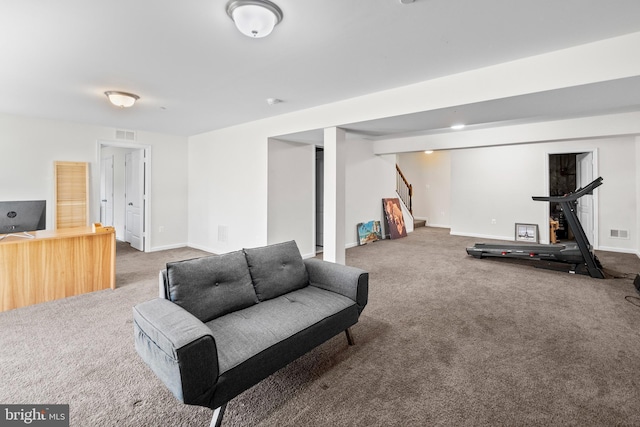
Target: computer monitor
pixel 22 217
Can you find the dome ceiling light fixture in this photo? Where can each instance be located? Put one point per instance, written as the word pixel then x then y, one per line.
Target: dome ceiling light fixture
pixel 121 99
pixel 254 18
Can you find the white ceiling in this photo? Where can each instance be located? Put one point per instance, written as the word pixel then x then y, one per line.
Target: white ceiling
pixel 195 72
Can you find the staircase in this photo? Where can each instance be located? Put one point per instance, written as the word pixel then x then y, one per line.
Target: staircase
pixel 405 191
pixel 419 223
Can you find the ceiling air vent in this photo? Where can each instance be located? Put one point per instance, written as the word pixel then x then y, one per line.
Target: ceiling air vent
pixel 126 135
pixel 619 234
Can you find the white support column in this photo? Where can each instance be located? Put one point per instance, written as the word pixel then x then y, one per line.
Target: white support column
pixel 334 196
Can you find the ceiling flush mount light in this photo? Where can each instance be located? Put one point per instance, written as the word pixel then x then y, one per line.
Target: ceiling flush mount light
pixel 458 126
pixel 254 18
pixel 121 99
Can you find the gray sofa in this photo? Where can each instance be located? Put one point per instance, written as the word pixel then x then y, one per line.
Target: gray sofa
pixel 224 323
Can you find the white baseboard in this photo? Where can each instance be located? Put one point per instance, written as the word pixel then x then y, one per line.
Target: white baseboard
pixel 200 247
pixel 166 247
pixel 481 236
pixel 619 250
pixel 438 225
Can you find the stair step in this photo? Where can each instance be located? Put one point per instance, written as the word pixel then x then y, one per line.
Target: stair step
pixel 419 223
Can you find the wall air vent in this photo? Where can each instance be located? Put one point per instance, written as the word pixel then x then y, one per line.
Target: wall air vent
pixel 619 234
pixel 126 135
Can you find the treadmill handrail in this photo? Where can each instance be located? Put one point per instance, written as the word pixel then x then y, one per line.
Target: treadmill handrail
pixel 588 189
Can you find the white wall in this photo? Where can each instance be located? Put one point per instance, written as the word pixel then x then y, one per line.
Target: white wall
pixel 618 208
pixel 227 185
pixel 29 146
pixel 430 177
pixel 491 189
pixel 168 189
pixel 496 183
pixel 369 178
pixel 291 205
pixel 228 168
pixel 291 195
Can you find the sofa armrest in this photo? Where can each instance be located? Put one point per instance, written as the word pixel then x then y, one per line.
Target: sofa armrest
pixel 349 281
pixel 179 348
pixel 163 285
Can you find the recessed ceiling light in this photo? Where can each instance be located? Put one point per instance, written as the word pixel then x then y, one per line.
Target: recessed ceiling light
pixel 458 126
pixel 428 152
pixel 273 101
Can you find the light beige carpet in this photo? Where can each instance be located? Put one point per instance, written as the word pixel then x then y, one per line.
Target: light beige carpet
pixel 445 340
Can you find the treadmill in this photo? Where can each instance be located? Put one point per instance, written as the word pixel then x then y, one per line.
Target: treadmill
pixel 578 255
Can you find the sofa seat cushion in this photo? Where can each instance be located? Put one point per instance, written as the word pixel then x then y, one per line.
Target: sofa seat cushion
pixel 243 334
pixel 211 286
pixel 276 269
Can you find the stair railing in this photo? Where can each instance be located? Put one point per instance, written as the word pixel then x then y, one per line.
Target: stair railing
pixel 404 189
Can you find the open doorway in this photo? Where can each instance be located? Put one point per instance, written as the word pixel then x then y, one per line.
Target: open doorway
pixel 568 172
pixel 124 191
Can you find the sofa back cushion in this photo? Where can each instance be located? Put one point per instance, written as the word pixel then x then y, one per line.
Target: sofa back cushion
pixel 276 269
pixel 211 286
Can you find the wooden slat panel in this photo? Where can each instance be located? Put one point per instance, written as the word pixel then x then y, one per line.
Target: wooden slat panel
pixel 72 194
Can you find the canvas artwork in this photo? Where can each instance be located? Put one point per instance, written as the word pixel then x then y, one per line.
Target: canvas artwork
pixel 394 218
pixel 369 232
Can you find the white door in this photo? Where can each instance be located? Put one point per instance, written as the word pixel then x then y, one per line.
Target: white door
pixel 134 199
pixel 106 191
pixel 585 210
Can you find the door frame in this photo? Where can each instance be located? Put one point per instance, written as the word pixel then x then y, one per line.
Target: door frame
pixel 596 214
pixel 103 177
pixel 146 235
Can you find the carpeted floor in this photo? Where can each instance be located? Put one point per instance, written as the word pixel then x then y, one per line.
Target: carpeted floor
pixel 445 340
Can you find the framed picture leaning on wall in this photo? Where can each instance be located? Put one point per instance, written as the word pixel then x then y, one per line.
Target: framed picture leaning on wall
pixel 527 233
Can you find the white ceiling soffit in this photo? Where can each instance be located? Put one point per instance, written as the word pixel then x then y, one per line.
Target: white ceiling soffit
pixel 615 96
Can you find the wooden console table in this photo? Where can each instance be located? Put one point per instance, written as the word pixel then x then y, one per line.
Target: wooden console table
pixel 56 264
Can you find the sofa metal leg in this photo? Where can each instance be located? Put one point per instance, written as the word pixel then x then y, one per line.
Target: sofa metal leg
pixel 349 336
pixel 218 413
